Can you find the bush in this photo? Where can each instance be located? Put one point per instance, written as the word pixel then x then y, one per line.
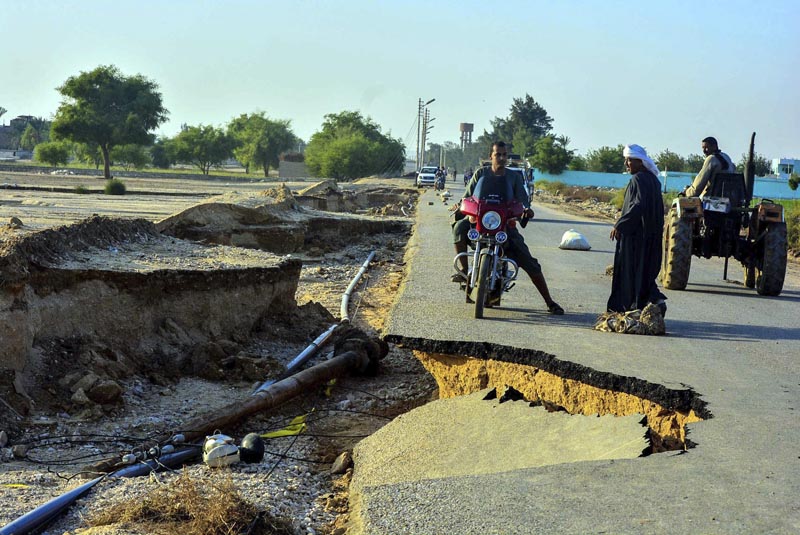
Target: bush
pixel 619 198
pixel 81 190
pixel 114 187
pixel 554 188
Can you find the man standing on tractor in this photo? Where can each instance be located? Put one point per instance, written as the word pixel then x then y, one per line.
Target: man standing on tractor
pixel 516 249
pixel 716 161
pixel 637 258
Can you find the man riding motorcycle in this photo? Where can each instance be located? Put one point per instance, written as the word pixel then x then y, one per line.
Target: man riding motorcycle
pixel 516 249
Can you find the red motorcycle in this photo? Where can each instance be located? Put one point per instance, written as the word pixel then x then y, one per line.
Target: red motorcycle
pixel 490 272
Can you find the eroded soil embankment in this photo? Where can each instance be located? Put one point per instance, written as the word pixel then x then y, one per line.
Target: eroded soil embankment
pixel 130 300
pixel 462 368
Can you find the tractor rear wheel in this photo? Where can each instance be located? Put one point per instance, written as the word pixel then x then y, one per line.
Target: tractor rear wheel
pixel 772 270
pixel 677 257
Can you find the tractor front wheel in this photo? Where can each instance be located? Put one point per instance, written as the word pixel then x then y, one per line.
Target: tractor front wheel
pixel 677 258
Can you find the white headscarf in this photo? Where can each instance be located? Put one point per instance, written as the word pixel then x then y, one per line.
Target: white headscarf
pixel 638 153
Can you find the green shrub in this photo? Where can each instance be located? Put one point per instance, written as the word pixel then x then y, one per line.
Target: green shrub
pixel 81 189
pixel 554 188
pixel 114 187
pixel 619 199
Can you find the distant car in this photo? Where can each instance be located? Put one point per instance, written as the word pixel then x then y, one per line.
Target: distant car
pixel 517 167
pixel 426 177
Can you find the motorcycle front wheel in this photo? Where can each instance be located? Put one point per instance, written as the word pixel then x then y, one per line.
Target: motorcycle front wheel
pixel 482 284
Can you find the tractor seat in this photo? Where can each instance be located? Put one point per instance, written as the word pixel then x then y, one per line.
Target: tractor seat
pixel 730 186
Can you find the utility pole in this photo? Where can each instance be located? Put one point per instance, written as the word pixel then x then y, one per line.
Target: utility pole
pixel 422 115
pixel 425 115
pixel 426 127
pixel 419 130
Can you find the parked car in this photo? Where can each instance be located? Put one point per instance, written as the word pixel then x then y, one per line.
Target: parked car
pixel 426 177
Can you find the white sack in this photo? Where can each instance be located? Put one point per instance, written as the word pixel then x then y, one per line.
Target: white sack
pixel 574 240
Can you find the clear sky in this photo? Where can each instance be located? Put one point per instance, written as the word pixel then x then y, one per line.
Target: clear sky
pixel 661 74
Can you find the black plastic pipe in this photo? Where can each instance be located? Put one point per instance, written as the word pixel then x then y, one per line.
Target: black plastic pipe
pixel 43 514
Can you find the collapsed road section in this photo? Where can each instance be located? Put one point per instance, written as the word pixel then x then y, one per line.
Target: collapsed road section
pixel 462 368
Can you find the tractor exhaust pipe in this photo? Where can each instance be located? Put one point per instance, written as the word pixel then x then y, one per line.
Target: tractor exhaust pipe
pixel 750 171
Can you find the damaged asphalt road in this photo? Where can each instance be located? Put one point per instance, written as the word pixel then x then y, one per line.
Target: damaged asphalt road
pixel 731 350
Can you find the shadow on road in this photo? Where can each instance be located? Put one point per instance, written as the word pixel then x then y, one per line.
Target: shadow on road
pixel 737 290
pixel 541 317
pixel 675 328
pixel 571 222
pixel 592 251
pixel 729 332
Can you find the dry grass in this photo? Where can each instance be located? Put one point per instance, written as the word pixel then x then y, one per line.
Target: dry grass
pixel 193 507
pixel 578 193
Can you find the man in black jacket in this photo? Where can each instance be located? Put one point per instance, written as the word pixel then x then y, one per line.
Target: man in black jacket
pixel 516 249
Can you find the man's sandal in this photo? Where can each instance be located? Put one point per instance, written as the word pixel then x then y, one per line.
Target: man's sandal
pixel 459 277
pixel 555 309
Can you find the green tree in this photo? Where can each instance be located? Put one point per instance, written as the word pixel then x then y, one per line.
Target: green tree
pixel 260 140
pixel 162 153
pixel 52 152
pixel 88 153
pixel 606 160
pixel 670 161
pixel 577 163
pixel 128 156
pixel 551 154
pixel 350 146
pixel 451 153
pixel 794 181
pixel 106 108
pixel 29 139
pixel 35 129
pixel 694 162
pixel 763 166
pixel 524 142
pixel 527 122
pixel 203 147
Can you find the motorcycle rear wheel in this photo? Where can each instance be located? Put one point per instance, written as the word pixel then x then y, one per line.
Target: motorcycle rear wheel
pixel 482 285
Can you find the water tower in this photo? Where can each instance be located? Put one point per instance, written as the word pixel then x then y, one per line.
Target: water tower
pixel 466 133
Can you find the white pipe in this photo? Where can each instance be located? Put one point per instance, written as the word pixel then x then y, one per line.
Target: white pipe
pixel 345 317
pixel 314 346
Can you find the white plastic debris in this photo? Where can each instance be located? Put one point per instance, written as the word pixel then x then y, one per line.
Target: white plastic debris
pixel 220 450
pixel 574 240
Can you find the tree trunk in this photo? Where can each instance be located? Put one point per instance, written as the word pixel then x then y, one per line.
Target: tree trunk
pixel 266 170
pixel 106 162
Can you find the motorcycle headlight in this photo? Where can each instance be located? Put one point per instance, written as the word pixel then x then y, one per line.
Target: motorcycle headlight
pixel 473 234
pixel 501 237
pixel 491 220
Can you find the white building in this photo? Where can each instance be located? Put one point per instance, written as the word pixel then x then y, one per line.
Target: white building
pixel 784 167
